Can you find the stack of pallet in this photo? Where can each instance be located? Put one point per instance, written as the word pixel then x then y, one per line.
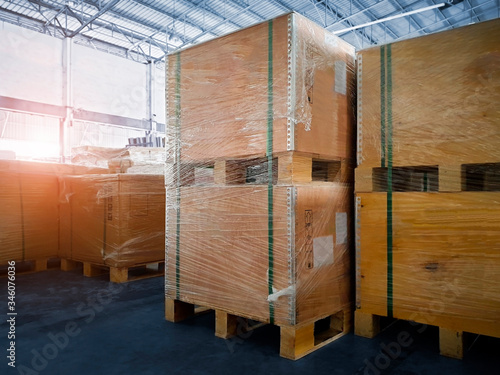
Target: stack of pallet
pixel 428 185
pixel 259 172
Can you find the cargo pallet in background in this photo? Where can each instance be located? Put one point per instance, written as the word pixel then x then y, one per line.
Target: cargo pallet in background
pixel 259 181
pixel 30 266
pixel 428 185
pixel 116 274
pixel 113 223
pixel 29 220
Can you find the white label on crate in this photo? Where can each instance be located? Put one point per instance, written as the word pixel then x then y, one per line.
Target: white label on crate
pixel 323 251
pixel 340 77
pixel 330 39
pixel 341 228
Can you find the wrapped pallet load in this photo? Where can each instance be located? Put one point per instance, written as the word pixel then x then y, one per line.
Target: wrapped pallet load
pixel 259 181
pixel 115 222
pixel 428 186
pixel 30 224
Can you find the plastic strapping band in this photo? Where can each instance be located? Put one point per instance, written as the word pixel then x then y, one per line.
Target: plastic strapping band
pixel 382 106
pixel 178 171
pixel 389 186
pixel 269 151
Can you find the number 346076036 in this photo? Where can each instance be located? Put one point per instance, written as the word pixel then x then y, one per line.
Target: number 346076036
pixel 11 286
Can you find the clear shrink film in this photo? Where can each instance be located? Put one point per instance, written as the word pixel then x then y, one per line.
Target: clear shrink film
pixel 427 180
pixel 259 172
pixel 114 220
pixel 80 213
pixel 30 208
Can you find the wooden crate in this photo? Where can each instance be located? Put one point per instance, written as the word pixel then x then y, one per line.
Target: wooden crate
pixel 431 100
pixel 287 264
pixel 287 77
pixel 440 266
pixel 117 220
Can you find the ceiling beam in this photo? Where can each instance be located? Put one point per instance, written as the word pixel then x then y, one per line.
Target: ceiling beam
pixel 103 10
pixel 339 16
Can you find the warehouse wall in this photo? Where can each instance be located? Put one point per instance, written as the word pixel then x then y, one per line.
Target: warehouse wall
pixel 109 84
pixel 31 68
pixel 30 65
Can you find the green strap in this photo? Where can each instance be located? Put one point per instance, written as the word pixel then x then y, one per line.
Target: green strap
pixel 382 106
pixel 390 283
pixel 178 173
pixel 269 152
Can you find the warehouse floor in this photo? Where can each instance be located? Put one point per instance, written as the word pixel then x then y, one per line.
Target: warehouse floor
pixel 104 328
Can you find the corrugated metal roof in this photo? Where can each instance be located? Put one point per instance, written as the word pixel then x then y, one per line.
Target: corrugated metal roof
pixel 148 29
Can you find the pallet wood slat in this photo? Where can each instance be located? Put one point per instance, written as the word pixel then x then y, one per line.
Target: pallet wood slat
pixel 116 274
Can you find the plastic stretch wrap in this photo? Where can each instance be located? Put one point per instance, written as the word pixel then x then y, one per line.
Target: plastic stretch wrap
pixel 115 220
pixel 259 172
pixel 134 160
pixel 428 180
pixel 29 201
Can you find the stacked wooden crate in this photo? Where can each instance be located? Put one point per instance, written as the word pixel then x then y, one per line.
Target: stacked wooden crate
pixel 428 186
pixel 259 172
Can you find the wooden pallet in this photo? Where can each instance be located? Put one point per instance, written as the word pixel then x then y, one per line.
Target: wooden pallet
pixel 117 274
pixel 31 266
pixel 443 178
pixel 451 342
pixel 296 341
pixel 288 168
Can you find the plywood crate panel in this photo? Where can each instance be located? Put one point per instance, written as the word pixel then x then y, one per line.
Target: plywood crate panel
pixel 219 246
pixel 287 74
pixel 116 220
pixel 443 258
pixel 433 98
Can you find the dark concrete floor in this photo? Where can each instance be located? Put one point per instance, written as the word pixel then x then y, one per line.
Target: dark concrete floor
pixel 104 328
